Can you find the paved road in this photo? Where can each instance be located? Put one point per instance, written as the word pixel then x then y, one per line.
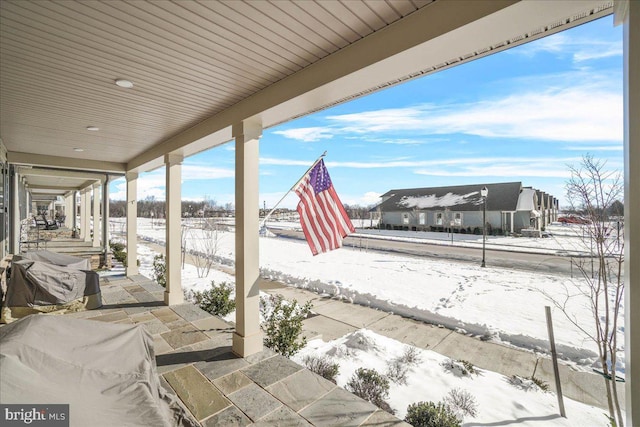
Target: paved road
pixel 543 263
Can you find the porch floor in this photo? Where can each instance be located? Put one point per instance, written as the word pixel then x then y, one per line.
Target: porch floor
pixel 194 359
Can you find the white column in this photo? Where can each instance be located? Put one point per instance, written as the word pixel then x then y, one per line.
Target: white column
pixel 247 338
pixel 632 212
pixel 173 292
pixel 132 224
pixel 105 221
pixel 96 215
pixel 511 222
pixel 68 210
pixel 86 213
pixel 83 216
pixel 74 214
pixel 27 194
pixel 14 217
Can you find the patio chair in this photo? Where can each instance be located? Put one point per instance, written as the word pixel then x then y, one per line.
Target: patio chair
pixel 44 224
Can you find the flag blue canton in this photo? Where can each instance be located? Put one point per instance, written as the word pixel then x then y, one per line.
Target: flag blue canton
pixel 319 178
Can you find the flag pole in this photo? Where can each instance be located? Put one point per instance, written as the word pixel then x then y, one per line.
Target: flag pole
pixel 264 221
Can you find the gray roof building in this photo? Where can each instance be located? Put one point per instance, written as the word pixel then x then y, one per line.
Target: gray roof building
pixel 510 208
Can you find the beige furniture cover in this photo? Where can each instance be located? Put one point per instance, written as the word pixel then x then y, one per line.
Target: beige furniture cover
pixel 36 287
pixel 106 372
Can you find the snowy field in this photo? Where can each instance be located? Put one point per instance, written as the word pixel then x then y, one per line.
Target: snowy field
pixel 500 304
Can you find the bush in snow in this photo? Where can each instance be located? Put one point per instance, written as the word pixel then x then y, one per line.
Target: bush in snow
pixel 429 414
pixel 460 368
pixel 397 371
pixel 216 300
pixel 119 252
pixel 411 355
pixel 528 383
pixel 160 270
pixel 283 324
pixel 461 402
pixel 322 366
pixel 398 368
pixel 372 386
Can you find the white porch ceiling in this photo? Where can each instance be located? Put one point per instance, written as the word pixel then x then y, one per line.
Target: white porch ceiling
pixel 200 66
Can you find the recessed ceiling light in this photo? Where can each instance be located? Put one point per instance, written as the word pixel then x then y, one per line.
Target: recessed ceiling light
pixel 78 149
pixel 124 83
pixel 93 128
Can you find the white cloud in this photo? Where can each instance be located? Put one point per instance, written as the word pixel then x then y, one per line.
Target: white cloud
pixel 598 51
pixel 590 148
pixel 556 43
pixel 587 112
pixel 199 172
pixel 310 134
pixel 152 184
pixel 561 44
pixel 269 161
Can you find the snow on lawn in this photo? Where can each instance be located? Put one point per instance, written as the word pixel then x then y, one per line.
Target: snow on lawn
pixel 506 305
pixel 498 401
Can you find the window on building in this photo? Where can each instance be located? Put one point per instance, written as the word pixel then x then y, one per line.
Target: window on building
pixel 422 218
pixel 457 219
pixel 405 218
pixel 439 218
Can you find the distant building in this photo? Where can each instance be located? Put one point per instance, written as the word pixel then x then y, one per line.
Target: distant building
pixel 510 209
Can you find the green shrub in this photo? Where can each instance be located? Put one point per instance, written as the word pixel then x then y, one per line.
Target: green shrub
pixel 372 386
pixel 429 414
pixel 160 270
pixel 216 300
pixel 322 366
pixel 283 324
pixel 116 246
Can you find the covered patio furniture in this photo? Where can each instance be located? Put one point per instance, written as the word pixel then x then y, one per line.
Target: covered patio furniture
pixel 55 258
pixel 105 372
pixel 40 287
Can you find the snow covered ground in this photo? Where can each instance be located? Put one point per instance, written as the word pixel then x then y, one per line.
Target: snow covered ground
pixel 499 402
pixel 506 305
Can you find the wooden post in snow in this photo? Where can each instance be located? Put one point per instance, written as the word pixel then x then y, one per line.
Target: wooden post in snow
pixel 554 358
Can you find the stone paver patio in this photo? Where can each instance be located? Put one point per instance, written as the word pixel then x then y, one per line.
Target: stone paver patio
pixel 194 360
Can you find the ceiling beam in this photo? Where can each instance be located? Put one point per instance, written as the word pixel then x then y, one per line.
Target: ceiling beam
pixel 30 159
pixel 59 173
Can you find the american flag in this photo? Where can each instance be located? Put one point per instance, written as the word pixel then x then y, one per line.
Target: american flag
pixel 322 216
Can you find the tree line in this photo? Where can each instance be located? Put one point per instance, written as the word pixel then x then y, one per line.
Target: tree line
pixel 207 208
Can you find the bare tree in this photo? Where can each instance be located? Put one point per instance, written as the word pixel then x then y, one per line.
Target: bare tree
pixel 593 190
pixel 204 247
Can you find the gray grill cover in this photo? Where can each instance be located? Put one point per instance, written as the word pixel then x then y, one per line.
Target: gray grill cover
pixel 105 372
pixel 56 259
pixel 35 283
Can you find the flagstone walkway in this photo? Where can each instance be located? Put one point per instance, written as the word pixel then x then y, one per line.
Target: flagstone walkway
pixel 194 359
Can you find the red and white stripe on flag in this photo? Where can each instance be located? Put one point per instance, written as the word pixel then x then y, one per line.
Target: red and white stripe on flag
pixel 322 217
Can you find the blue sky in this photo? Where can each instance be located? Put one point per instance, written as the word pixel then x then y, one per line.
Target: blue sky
pixel 520 115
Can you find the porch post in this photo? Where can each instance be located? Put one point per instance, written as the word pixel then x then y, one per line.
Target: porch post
pixel 14 216
pixel 105 222
pixel 86 214
pixel 96 215
pixel 173 292
pixel 511 223
pixel 132 224
pixel 632 211
pixel 68 208
pixel 83 202
pixel 247 338
pixel 74 205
